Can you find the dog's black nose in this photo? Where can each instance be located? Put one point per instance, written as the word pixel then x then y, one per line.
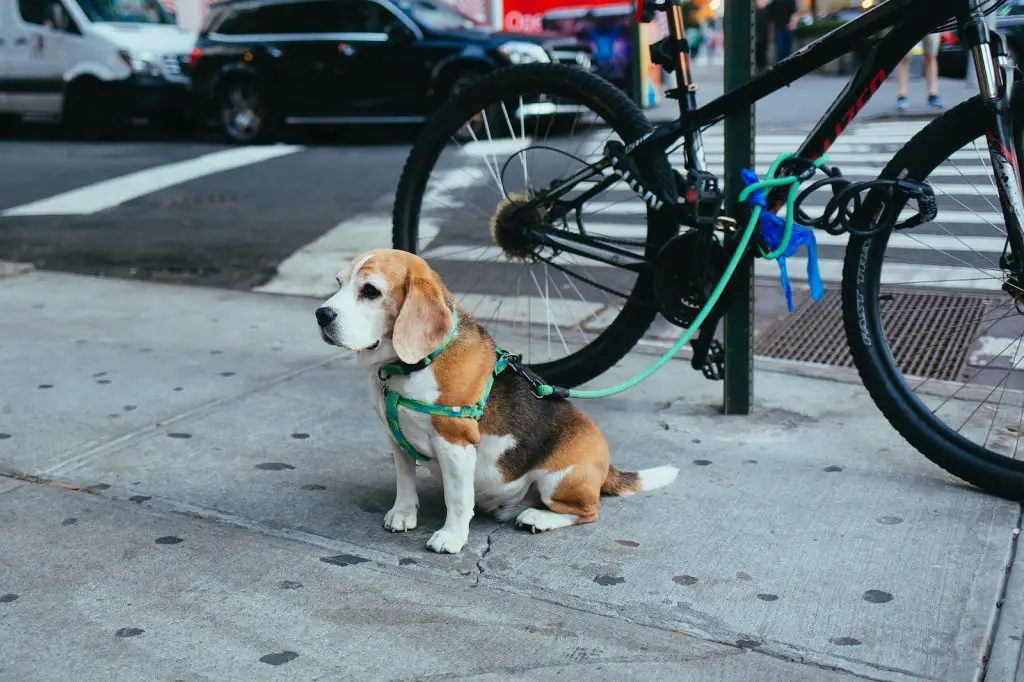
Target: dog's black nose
pixel 324 316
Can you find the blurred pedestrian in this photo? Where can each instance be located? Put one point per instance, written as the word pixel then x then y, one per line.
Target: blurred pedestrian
pixel 761 35
pixel 930 47
pixel 782 14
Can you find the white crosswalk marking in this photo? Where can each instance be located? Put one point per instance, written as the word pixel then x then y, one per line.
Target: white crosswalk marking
pixel 109 193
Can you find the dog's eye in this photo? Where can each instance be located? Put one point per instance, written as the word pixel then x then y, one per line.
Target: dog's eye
pixel 369 292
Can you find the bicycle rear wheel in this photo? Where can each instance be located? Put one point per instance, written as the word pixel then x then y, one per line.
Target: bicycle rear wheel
pixel 938 345
pixel 521 289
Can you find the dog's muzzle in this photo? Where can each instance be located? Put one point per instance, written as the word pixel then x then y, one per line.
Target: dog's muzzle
pixel 325 317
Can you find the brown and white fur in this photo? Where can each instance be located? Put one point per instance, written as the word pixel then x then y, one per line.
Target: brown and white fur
pixel 542 462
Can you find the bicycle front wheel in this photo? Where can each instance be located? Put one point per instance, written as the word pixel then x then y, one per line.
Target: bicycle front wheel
pixel 937 343
pixel 504 138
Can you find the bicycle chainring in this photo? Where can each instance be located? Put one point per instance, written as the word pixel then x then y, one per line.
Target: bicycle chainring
pixel 686 271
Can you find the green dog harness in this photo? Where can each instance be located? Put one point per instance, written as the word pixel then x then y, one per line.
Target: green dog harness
pixel 392 400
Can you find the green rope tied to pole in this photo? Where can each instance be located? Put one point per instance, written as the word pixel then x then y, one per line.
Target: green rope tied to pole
pixel 769 183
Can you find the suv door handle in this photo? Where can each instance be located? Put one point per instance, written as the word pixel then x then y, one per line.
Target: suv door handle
pixel 21 41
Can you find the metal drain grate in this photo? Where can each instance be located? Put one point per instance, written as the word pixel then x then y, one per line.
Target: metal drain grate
pixel 930 334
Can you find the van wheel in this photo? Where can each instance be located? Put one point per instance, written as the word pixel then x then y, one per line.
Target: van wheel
pixel 88 113
pixel 245 113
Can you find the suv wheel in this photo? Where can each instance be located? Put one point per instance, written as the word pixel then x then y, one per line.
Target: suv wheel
pixel 244 112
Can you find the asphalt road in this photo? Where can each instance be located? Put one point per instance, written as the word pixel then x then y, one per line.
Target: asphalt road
pixel 236 214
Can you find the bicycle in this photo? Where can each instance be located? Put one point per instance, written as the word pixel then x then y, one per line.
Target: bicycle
pixel 677 270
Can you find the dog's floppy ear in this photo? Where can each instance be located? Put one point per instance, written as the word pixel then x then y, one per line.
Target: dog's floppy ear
pixel 424 321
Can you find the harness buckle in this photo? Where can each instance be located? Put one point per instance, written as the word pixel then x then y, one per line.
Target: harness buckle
pixel 515 362
pixel 383 378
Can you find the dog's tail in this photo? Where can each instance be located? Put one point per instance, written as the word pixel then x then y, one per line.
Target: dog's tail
pixel 629 482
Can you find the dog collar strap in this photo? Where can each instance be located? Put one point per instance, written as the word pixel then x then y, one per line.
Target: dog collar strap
pixel 406 368
pixel 392 401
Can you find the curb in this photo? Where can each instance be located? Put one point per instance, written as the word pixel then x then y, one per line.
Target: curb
pixel 12 269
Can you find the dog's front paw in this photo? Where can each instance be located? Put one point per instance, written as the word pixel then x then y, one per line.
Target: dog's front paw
pixel 400 520
pixel 446 542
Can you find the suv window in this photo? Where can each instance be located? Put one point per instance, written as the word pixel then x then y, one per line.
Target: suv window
pixel 317 16
pixel 253 19
pixel 364 16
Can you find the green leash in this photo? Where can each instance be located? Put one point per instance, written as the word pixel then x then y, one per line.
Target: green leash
pixel 755 214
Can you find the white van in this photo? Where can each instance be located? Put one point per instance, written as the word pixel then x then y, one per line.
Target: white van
pixel 92 63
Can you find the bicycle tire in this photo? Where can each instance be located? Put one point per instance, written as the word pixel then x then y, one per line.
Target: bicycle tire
pixel 626 119
pixel 950 451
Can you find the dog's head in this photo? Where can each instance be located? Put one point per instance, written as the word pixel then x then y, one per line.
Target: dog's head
pixel 389 304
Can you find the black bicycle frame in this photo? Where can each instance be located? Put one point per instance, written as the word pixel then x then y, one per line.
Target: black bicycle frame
pixel 909 21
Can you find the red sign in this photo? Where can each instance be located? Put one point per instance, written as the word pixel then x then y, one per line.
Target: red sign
pixel 526 16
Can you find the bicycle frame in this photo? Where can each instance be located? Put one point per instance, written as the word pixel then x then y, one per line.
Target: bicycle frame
pixel 909 21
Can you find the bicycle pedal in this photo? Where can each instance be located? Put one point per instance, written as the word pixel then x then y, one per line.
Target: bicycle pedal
pixel 714 362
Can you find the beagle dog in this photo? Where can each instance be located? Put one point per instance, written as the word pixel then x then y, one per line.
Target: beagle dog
pixel 452 400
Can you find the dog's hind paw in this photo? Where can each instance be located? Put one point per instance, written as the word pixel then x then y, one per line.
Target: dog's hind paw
pixel 540 520
pixel 400 520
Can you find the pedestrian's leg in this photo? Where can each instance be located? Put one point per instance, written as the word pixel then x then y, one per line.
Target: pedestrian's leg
pixel 902 77
pixel 931 68
pixel 761 45
pixel 931 77
pixel 783 42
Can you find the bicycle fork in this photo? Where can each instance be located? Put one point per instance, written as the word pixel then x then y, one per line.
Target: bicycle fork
pixel 998 95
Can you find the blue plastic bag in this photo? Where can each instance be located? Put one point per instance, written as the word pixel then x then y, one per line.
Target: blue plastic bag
pixel 772 228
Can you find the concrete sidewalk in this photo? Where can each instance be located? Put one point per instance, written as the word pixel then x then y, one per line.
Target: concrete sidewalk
pixel 193 488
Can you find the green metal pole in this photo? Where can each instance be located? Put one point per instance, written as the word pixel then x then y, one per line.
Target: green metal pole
pixel 739 153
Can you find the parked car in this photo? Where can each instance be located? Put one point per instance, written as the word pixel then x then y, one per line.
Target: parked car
pixel 91 63
pixel 953 59
pixel 260 64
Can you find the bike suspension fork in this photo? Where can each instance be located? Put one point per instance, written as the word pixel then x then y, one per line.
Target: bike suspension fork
pixel 996 90
pixel 685 87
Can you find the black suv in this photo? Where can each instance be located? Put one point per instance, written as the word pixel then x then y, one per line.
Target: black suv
pixel 258 64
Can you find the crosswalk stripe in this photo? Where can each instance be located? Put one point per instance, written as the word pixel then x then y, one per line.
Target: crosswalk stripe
pixel 471 253
pixel 980 189
pixel 906 274
pixel 109 193
pixel 311 269
pixel 593 209
pixel 557 310
pixel 990 348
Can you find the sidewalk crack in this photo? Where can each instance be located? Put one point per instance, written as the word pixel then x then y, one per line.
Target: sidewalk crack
pixel 997 608
pixel 483 555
